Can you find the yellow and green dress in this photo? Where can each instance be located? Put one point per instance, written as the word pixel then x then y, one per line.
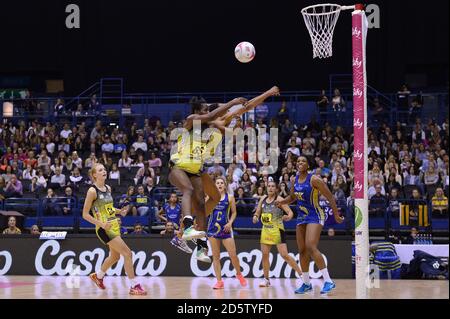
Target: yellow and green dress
pixel 103 210
pixel 272 232
pixel 192 151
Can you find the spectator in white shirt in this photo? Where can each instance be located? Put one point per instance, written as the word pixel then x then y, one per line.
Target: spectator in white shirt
pixel 50 146
pixel 140 144
pixel 107 147
pixel 29 173
pixel 91 160
pixel 114 173
pixel 41 180
pixel 58 178
pixel 293 149
pixel 125 160
pixel 372 189
pixel 76 160
pixel 65 132
pixel 373 147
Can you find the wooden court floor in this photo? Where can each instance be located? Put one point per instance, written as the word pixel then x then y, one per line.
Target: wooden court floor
pixel 41 287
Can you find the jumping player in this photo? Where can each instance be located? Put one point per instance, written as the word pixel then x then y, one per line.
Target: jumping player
pixel 220 225
pixel 272 233
pixel 99 210
pixel 311 219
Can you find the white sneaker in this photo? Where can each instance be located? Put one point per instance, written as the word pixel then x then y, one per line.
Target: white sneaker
pixel 181 244
pixel 202 256
pixel 191 233
pixel 264 283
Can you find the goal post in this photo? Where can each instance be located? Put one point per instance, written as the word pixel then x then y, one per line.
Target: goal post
pixel 321 20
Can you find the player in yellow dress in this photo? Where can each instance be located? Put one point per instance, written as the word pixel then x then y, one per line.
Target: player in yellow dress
pixel 99 210
pixel 272 232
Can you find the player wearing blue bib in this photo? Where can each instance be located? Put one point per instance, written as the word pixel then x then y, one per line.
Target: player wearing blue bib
pixel 220 230
pixel 171 213
pixel 311 219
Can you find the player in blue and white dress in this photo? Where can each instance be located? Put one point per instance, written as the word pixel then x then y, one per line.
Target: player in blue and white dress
pixel 171 212
pixel 220 229
pixel 311 218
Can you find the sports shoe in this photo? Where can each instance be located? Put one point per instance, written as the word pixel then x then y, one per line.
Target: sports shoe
pixel 97 281
pixel 264 283
pixel 304 289
pixel 191 233
pixel 137 291
pixel 327 287
pixel 181 244
pixel 242 280
pixel 219 285
pixel 202 255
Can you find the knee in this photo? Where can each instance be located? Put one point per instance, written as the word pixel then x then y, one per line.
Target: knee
pixel 284 255
pixel 115 257
pixel 311 249
pixel 127 254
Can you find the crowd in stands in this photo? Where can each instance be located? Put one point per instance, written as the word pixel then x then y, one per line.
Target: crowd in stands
pixel 406 161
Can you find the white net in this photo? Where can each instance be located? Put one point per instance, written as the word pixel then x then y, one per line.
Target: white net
pixel 320 20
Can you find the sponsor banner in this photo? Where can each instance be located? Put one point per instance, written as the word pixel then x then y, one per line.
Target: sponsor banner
pixel 155 256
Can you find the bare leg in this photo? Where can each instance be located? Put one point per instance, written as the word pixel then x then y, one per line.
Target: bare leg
pixel 230 246
pixel 282 249
pixel 215 246
pixel 180 179
pixel 211 190
pixel 113 257
pixel 199 202
pixel 118 245
pixel 304 254
pixel 265 249
pixel 312 240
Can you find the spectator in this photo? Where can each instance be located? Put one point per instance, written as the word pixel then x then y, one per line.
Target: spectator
pixel 58 180
pixel 372 189
pixel 139 162
pixel 246 184
pixel 138 230
pixel 51 205
pixel 217 170
pixel 107 146
pixel 69 201
pixel 283 190
pixel 90 161
pixel 154 161
pixel 140 145
pixel 76 179
pixel 411 177
pixel 145 171
pixel 142 202
pixel 259 193
pixel 392 183
pixel 12 228
pixel 41 179
pixel 240 196
pixel 340 181
pixel 59 107
pixel 76 160
pixel 293 149
pixel 411 239
pixel 169 230
pixel 106 161
pixel 57 165
pixel 378 202
pixel 339 194
pixel 322 102
pixel 283 113
pixel 114 173
pixel 30 160
pixel 331 232
pixel 439 203
pixel 375 174
pixel 394 203
pixel 125 160
pixel 65 132
pixel 44 162
pixel 431 176
pixel 120 146
pixel 13 188
pixel 34 230
pixel 128 200
pixel 69 166
pixel 29 173
pixel 338 102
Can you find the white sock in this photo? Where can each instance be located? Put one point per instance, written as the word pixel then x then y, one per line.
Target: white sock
pixel 133 282
pixel 326 275
pixel 305 277
pixel 100 274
